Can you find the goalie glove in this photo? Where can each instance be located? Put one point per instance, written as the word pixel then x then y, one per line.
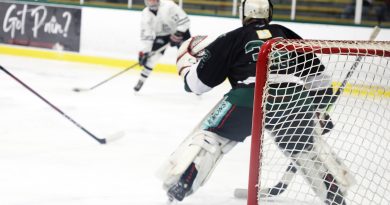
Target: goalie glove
pixel 322 103
pixel 184 64
pixel 190 53
pixel 321 90
pixel 323 122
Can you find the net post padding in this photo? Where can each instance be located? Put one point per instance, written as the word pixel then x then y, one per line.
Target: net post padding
pixel 261 78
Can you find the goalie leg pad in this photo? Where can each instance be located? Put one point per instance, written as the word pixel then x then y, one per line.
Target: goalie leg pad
pixel 333 163
pixel 203 149
pixel 327 175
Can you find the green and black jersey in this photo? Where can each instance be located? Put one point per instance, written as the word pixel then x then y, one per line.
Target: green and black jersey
pixel 233 56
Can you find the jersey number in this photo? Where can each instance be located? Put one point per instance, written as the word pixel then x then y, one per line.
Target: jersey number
pixel 253 46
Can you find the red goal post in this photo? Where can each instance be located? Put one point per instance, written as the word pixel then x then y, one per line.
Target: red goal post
pixel 349 49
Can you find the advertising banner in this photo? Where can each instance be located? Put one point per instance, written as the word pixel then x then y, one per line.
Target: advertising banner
pixel 51 27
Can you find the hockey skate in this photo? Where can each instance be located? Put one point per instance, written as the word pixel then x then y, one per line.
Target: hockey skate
pixel 183 187
pixel 138 86
pixel 316 171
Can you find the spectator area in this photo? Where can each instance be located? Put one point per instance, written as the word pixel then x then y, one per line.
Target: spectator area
pixel 316 11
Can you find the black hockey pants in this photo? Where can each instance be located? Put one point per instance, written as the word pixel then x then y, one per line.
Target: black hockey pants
pixel 288 117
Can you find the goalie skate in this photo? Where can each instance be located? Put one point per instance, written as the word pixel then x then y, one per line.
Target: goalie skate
pixel 183 187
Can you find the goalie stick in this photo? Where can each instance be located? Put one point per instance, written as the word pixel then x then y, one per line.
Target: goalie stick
pixel 373 36
pixel 288 175
pixel 279 188
pixel 100 140
pixel 117 74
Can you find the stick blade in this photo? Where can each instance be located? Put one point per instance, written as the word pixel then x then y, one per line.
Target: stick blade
pixel 79 89
pixel 374 33
pixel 116 136
pixel 76 89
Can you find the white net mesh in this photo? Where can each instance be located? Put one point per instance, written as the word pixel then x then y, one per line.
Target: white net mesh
pixel 350 164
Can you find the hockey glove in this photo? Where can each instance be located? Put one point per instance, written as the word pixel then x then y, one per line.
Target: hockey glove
pixel 143 58
pixel 184 64
pixel 176 39
pixel 321 90
pixel 190 52
pixel 323 121
pixel 322 102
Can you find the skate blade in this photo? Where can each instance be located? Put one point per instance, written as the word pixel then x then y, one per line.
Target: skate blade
pixel 171 201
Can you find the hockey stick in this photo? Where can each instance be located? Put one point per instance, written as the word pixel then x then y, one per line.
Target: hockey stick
pixel 104 81
pixel 100 140
pixel 288 175
pixel 117 74
pixel 279 188
pixel 373 36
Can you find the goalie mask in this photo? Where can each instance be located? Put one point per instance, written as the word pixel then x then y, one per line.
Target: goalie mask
pixel 152 4
pixel 256 9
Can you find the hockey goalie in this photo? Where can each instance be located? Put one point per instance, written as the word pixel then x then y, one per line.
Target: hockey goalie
pixel 204 63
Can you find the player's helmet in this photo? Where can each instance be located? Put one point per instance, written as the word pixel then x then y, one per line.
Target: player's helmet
pixel 152 4
pixel 256 9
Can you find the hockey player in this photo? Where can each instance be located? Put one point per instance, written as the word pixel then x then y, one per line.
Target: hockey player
pixel 163 22
pixel 233 56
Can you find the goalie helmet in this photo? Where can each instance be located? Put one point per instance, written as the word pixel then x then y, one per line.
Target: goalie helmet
pixel 256 9
pixel 152 4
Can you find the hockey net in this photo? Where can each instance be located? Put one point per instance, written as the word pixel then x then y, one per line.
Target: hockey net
pixel 359 75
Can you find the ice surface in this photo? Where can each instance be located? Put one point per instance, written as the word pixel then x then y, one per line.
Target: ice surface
pixel 47 160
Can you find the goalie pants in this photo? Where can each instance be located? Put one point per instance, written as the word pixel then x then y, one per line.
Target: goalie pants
pixel 231 118
pixel 289 117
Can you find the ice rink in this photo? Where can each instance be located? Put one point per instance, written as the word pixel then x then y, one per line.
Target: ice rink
pixel 47 160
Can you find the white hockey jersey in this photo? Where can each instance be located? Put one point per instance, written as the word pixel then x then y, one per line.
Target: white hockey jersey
pixel 169 19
